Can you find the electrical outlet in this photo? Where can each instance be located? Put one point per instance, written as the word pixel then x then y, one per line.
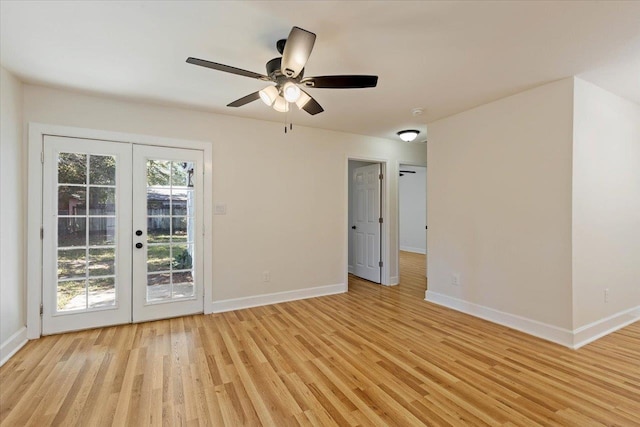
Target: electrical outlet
pixel 606 295
pixel 455 279
pixel 266 276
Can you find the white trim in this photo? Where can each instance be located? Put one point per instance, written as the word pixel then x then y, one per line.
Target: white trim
pixel 350 269
pixel 393 281
pixel 403 248
pixel 34 222
pixel 532 327
pixel 572 339
pixel 385 253
pixel 277 297
pixel 414 250
pixel 12 345
pixel 598 329
pixel 34 205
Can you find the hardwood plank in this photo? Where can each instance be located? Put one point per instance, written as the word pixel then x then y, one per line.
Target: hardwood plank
pixel 374 356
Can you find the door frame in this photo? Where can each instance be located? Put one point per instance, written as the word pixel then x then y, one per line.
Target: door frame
pixel 36 133
pixel 385 212
pixel 397 254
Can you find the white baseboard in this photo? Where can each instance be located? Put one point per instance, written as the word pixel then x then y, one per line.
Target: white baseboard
pixel 598 329
pixel 572 339
pixel 350 269
pixel 12 345
pixel 393 281
pixel 414 250
pixel 532 327
pixel 278 297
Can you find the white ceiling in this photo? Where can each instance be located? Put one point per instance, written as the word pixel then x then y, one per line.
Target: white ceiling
pixel 445 57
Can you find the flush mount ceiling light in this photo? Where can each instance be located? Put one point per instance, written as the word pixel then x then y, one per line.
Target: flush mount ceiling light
pixel 408 135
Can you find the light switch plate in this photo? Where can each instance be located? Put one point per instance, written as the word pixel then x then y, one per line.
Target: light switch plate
pixel 220 209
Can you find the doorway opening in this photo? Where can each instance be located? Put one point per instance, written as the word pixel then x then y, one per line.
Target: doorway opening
pixel 366 220
pixel 412 227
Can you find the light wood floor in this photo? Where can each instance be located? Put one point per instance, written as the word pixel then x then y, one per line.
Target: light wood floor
pixel 374 356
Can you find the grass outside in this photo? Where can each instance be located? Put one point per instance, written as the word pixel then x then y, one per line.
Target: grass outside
pixel 74 264
pixel 73 288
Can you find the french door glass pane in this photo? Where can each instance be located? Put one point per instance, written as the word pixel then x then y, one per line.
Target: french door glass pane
pixel 86 255
pixel 102 201
pixel 72 200
pixel 159 258
pixel 102 262
pixel 72 263
pixel 102 170
pixel 72 168
pixel 170 230
pixel 102 292
pixel 72 295
pixel 72 232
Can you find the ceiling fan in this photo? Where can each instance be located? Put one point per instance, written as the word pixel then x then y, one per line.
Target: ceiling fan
pixel 287 73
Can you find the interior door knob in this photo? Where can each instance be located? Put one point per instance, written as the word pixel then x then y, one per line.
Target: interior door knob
pixel 353 226
pixel 138 245
pixel 138 232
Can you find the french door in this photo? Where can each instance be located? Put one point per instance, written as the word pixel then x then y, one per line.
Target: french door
pixel 122 233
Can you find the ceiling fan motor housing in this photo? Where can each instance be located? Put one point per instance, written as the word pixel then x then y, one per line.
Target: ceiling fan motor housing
pixel 274 70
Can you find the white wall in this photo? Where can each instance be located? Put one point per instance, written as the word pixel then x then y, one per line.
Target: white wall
pixel 286 195
pixel 499 207
pixel 12 214
pixel 606 204
pixel 413 209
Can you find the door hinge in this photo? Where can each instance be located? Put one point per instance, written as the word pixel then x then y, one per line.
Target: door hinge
pixel 42 157
pixel 380 264
pixel 380 220
pixel 41 232
pixel 380 177
pixel 41 309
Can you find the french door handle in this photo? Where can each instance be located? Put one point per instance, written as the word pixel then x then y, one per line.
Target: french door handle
pixel 139 245
pixel 138 232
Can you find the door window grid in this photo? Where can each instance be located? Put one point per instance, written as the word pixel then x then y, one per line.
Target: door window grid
pixel 170 233
pixel 86 277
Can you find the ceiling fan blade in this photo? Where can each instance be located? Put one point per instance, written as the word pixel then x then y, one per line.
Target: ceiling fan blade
pixel 340 82
pixel 312 107
pixel 296 51
pixel 226 68
pixel 245 100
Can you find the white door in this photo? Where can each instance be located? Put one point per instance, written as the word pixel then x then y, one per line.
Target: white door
pixel 168 228
pixel 94 193
pixel 86 234
pixel 366 227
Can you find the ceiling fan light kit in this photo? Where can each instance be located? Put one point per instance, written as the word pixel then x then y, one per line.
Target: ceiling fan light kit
pixel 269 95
pixel 303 99
pixel 408 135
pixel 281 105
pixel 287 73
pixel 291 92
